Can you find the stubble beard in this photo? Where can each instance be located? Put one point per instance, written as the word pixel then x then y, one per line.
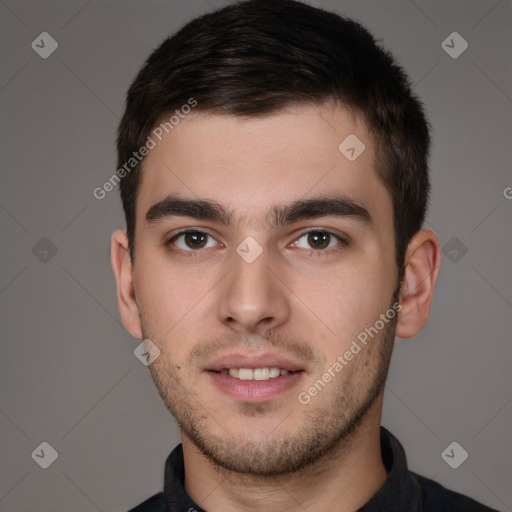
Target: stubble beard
pixel 321 431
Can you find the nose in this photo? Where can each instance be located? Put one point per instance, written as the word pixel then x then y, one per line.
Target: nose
pixel 252 298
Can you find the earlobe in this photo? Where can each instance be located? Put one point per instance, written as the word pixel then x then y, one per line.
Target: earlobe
pixel 422 264
pixel 122 266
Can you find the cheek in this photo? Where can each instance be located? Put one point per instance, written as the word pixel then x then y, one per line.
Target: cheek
pixel 163 295
pixel 347 303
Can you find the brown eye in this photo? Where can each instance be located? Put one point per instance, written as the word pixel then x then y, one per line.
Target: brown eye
pixel 319 239
pixel 189 241
pixel 195 240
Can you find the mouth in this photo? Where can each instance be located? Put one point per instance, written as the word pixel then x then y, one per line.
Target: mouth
pixel 254 379
pixel 260 374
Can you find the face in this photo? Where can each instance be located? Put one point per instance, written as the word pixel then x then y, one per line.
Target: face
pixel 264 272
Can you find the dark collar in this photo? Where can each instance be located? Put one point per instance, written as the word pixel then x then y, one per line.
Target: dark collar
pixel 400 491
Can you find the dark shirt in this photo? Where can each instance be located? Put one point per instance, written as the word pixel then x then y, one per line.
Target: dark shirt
pixel 403 490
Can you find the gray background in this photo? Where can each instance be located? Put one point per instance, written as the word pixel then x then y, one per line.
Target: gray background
pixel 68 374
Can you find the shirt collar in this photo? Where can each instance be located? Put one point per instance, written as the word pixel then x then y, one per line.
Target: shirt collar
pixel 400 491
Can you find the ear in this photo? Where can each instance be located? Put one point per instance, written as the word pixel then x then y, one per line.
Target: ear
pixel 422 264
pixel 123 270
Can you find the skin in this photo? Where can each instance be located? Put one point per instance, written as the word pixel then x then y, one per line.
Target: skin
pixel 295 299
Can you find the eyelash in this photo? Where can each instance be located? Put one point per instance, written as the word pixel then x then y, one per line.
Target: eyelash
pixel 191 252
pixel 196 252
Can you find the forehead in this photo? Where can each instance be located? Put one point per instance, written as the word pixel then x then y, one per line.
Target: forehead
pixel 252 164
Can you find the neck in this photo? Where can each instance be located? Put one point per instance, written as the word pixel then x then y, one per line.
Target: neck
pixel 343 480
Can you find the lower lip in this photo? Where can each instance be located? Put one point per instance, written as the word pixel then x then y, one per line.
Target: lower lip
pixel 254 390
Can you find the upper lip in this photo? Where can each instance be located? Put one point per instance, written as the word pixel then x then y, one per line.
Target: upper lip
pixel 254 361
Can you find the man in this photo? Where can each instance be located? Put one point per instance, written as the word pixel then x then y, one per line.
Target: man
pixel 273 172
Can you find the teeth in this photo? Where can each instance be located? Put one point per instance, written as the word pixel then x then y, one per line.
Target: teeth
pixel 274 372
pixel 254 374
pixel 261 374
pixel 245 374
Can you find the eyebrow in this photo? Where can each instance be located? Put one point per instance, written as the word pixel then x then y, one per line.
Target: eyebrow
pixel 280 215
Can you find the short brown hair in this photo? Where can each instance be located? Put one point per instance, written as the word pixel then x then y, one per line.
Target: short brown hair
pixel 254 58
